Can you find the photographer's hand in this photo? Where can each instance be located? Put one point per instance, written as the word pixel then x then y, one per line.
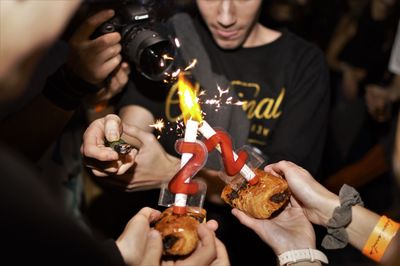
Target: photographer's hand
pixel 93 60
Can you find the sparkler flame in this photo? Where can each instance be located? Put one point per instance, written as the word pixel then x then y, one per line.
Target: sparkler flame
pixel 158 125
pixel 222 92
pixel 191 65
pixel 188 100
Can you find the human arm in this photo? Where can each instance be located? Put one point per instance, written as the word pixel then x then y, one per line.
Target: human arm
pixel 98 60
pixel 319 204
pixel 67 88
pixel 379 99
pixel 18 59
pixel 351 75
pixel 345 30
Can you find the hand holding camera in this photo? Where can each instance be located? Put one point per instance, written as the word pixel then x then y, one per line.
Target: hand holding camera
pixel 140 44
pixel 94 59
pixel 108 42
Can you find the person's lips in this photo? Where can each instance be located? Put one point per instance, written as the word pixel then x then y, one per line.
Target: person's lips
pixel 227 34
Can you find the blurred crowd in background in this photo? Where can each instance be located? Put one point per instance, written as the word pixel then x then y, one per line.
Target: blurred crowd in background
pixel 356 37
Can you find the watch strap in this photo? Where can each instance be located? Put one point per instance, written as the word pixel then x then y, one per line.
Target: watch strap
pixel 298 255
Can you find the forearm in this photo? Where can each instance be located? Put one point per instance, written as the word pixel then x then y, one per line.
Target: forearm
pixel 360 228
pixel 362 224
pixel 32 130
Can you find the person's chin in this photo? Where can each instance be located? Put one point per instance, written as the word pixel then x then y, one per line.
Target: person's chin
pixel 227 44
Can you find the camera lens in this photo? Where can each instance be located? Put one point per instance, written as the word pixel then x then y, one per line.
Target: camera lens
pixel 152 54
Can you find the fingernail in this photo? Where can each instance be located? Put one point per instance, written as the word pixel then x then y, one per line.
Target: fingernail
pixel 112 135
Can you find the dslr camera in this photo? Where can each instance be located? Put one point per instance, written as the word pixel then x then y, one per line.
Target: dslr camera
pixel 142 45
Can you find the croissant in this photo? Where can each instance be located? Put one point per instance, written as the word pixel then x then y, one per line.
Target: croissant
pixel 179 231
pixel 261 199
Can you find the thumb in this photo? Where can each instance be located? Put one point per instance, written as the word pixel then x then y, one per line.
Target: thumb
pixel 243 218
pixel 112 127
pixel 154 248
pixel 137 134
pixel 92 23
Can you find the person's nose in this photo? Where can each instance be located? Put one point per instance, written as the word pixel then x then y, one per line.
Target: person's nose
pixel 226 13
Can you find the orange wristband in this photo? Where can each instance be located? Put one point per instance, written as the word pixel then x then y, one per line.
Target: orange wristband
pixel 380 238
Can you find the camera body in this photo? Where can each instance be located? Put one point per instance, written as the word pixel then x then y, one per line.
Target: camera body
pixel 141 44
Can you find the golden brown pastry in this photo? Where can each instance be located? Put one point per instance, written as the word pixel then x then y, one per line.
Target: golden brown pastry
pixel 260 200
pixel 179 231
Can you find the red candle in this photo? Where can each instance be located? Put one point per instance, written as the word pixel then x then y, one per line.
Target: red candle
pixel 194 154
pixel 233 162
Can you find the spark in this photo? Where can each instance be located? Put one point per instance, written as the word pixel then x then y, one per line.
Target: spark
pixel 158 125
pixel 191 65
pixel 176 73
pixel 179 127
pixel 167 57
pixel 222 92
pixel 215 101
pixel 239 103
pixel 177 43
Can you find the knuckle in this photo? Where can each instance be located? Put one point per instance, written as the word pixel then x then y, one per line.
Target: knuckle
pixel 110 39
pixel 85 149
pixel 115 50
pixel 117 59
pixel 146 209
pixel 104 40
pixel 90 22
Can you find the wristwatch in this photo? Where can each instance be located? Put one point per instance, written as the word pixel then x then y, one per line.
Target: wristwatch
pixel 298 255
